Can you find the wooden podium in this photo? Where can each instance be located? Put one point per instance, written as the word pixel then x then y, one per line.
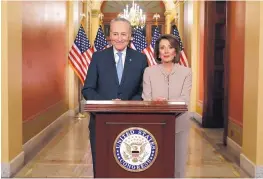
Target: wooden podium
pixel 135 139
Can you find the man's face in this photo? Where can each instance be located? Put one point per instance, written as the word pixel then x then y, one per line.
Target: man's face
pixel 120 35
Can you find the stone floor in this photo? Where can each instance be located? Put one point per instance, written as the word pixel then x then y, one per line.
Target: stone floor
pixel 68 155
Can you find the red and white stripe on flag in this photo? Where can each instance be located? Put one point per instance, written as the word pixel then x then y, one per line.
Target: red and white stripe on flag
pixel 80 54
pixel 147 51
pixel 183 59
pixel 80 61
pixel 151 54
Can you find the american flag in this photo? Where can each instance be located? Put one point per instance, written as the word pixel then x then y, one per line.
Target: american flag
pixel 100 41
pixel 156 35
pixel 80 54
pixel 139 43
pixel 183 59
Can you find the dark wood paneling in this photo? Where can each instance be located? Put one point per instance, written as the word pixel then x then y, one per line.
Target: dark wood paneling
pixel 135 106
pixel 163 130
pixel 214 64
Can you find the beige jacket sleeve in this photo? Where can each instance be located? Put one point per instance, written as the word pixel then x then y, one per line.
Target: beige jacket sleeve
pixel 147 89
pixel 186 90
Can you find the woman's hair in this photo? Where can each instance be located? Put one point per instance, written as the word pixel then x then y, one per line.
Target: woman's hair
pixel 173 42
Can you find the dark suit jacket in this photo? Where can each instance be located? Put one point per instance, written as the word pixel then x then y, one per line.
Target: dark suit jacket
pixel 102 80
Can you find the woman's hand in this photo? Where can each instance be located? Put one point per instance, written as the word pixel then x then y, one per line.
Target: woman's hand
pixel 160 99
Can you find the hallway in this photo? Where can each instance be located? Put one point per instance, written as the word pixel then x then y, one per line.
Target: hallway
pixel 68 155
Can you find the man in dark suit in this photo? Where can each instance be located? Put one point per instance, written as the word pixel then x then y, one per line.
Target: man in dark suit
pixel 115 73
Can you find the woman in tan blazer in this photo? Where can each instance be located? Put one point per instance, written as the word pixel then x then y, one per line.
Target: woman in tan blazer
pixel 170 81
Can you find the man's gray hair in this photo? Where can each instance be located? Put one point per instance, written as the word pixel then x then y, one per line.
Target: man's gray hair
pixel 122 20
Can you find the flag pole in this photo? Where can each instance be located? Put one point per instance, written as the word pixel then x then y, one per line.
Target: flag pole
pixel 80 115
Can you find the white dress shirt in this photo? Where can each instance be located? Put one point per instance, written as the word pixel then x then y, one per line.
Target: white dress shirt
pixel 116 56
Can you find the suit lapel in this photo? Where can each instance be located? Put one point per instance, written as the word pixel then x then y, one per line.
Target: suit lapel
pixel 127 65
pixel 113 66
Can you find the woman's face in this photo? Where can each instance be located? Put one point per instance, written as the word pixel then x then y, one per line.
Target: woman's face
pixel 166 51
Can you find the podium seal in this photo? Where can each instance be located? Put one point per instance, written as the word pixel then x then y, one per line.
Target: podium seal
pixel 135 149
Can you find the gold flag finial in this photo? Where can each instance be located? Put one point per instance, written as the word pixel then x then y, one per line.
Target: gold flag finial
pixel 100 18
pixel 156 17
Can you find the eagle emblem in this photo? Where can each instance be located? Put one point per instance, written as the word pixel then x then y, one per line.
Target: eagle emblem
pixel 135 152
pixel 135 149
